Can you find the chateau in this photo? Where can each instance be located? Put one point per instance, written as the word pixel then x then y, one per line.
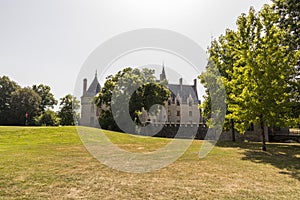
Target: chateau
pixel 181 108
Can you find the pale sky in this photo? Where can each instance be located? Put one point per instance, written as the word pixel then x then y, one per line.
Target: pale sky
pixel 47 41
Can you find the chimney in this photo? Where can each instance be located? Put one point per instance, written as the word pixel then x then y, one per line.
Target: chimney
pixel 180 83
pixel 84 86
pixel 195 83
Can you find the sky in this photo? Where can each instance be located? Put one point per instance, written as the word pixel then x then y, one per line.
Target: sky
pixel 48 41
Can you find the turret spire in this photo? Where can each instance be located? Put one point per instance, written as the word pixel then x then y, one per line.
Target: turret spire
pixel 163 73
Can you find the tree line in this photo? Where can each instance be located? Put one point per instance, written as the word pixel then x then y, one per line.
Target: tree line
pixel 259 67
pixel 33 105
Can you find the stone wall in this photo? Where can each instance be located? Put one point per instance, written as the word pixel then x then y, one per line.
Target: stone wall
pixel 187 131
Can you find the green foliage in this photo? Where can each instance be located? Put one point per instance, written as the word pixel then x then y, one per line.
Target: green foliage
pixel 213 106
pixel 256 69
pixel 146 96
pixel 148 93
pixel 15 102
pixel 48 118
pixel 7 87
pixel 289 20
pixel 48 100
pixel 259 89
pixel 24 100
pixel 68 110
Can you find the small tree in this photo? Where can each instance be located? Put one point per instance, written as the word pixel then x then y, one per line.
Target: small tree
pixel 48 118
pixel 68 110
pixel 48 100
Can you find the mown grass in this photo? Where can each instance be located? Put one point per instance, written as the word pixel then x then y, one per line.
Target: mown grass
pixel 52 163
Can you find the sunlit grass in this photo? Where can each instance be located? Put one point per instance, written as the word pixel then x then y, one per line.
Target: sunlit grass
pixel 42 162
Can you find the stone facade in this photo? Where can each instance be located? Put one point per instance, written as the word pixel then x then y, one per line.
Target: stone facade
pixel 181 108
pixel 89 111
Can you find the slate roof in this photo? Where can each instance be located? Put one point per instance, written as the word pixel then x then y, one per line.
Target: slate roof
pixel 184 92
pixel 94 88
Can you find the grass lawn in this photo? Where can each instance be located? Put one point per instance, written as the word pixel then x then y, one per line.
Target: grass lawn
pixel 52 163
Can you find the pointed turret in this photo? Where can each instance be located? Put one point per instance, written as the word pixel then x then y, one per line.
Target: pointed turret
pixel 94 87
pixel 163 73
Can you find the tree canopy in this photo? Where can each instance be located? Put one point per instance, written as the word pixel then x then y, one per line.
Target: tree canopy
pixel 7 87
pixel 138 87
pixel 48 100
pixel 68 110
pixel 24 106
pixel 256 67
pixel 48 118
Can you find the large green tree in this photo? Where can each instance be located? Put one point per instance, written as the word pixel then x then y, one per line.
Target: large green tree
pixel 68 114
pixel 7 87
pixel 256 67
pixel 138 87
pixel 48 100
pixel 24 106
pixel 259 80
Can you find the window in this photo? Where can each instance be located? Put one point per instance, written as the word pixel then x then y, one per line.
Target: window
pixel 178 113
pixel 178 103
pixel 190 113
pixel 92 109
pixel 169 102
pixel 190 103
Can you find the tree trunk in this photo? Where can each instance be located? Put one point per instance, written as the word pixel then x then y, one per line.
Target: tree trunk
pixel 262 125
pixel 232 129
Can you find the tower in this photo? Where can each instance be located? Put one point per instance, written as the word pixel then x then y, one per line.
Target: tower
pixel 88 108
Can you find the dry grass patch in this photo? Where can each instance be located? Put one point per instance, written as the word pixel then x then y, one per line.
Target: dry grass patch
pixel 53 163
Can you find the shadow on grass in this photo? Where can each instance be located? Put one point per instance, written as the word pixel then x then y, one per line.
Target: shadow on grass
pixel 285 157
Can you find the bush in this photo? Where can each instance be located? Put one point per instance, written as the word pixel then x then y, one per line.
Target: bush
pixel 48 118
